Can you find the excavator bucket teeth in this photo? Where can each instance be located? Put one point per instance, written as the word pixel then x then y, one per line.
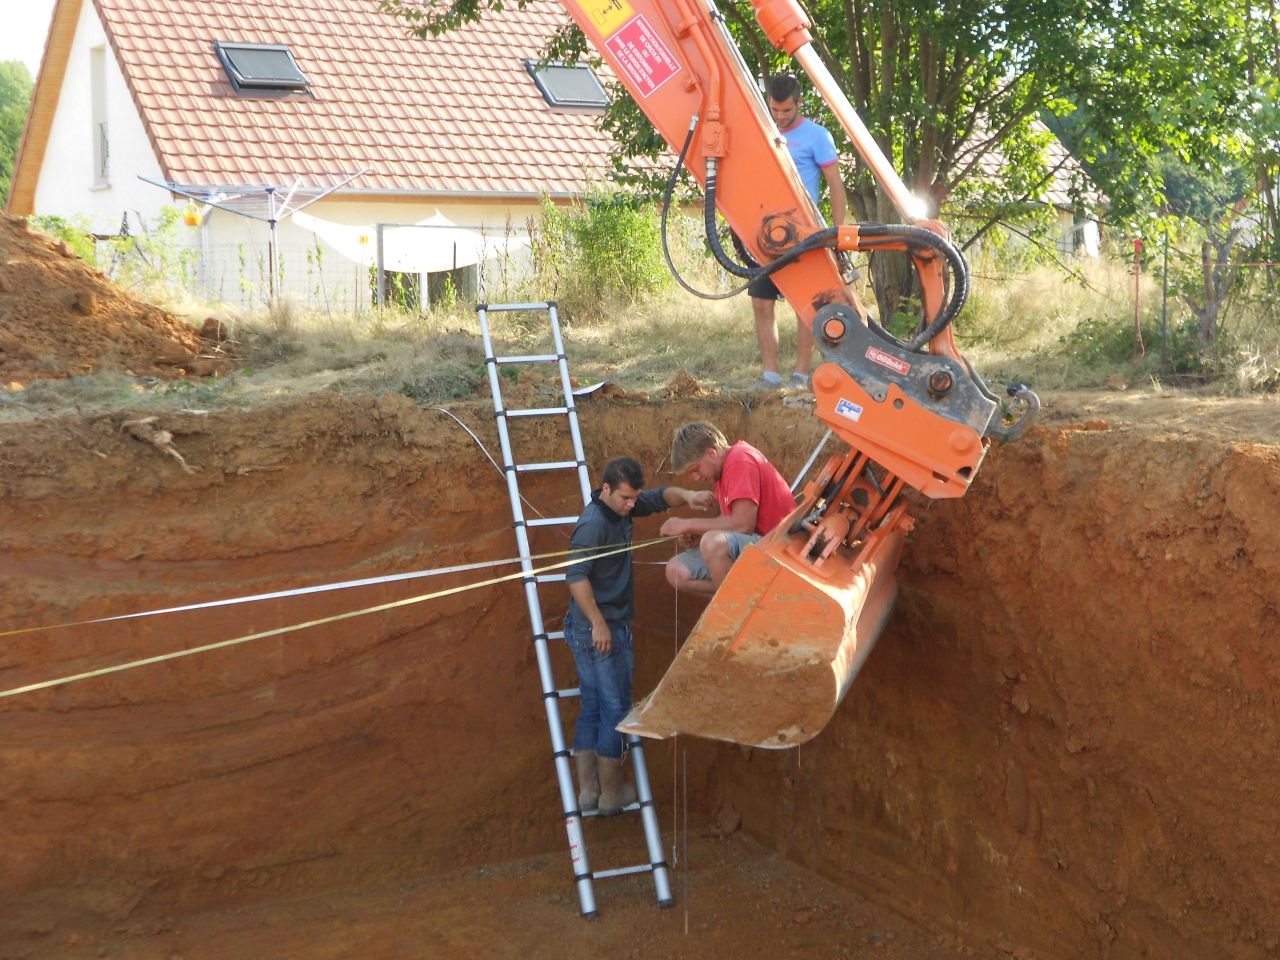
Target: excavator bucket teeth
pixel 774 652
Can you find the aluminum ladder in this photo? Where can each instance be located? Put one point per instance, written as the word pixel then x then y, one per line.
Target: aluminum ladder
pixel 584 877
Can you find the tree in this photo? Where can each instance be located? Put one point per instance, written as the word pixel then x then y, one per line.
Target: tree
pixel 948 86
pixel 15 101
pixel 1214 200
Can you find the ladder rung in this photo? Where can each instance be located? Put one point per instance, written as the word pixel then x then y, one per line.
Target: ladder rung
pixel 530 358
pixel 622 871
pixel 569 692
pixel 537 412
pixel 550 521
pixel 549 578
pixel 555 635
pixel 500 307
pixel 627 809
pixel 535 467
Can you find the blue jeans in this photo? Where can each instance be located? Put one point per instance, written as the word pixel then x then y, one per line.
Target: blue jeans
pixel 605 683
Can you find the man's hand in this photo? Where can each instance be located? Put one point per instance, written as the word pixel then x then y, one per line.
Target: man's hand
pixel 701 500
pixel 601 637
pixel 673 527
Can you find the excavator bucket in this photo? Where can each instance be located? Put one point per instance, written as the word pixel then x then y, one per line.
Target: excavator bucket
pixel 777 648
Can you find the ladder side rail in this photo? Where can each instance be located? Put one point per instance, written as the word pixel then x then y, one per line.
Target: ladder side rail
pixel 564 775
pixel 584 480
pixel 652 832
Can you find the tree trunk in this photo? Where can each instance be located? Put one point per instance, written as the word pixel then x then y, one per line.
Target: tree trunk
pixel 1208 314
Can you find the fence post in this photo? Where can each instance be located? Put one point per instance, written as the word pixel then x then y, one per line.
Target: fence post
pixel 382 274
pixel 1137 296
pixel 1164 302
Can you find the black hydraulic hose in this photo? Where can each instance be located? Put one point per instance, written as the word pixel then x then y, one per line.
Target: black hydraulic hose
pixel 713 235
pixel 666 208
pixel 955 260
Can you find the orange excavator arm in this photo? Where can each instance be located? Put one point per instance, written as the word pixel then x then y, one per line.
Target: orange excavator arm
pixel 779 645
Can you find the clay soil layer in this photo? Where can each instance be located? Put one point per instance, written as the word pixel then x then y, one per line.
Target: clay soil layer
pixel 1063 746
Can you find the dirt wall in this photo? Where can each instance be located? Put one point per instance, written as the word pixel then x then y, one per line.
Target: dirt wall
pixel 1064 739
pixel 1060 747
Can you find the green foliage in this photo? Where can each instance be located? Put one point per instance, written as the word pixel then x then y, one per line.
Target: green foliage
pixel 15 101
pixel 1100 343
pixel 151 262
pixel 75 233
pixel 156 260
pixel 599 254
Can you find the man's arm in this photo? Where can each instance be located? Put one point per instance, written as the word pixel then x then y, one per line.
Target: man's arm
pixel 585 598
pixel 741 518
pixel 695 499
pixel 838 206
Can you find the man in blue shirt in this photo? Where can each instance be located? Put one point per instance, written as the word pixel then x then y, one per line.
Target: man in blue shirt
pixel 598 624
pixel 814 153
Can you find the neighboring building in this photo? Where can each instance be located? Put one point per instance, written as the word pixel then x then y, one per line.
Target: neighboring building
pixel 1068 191
pixel 296 93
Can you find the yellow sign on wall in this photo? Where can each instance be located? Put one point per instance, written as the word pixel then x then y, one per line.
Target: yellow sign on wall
pixel 607 15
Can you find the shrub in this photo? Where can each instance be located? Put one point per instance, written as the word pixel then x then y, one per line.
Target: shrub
pixel 598 254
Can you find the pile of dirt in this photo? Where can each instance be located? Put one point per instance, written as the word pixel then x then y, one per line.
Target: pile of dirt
pixel 1059 748
pixel 684 386
pixel 60 318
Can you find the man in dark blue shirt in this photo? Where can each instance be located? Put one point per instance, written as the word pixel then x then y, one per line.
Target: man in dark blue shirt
pixel 598 624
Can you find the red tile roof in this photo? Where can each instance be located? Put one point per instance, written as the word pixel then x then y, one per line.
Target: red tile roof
pixel 453 114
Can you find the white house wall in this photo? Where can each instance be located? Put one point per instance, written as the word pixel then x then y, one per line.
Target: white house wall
pixel 66 183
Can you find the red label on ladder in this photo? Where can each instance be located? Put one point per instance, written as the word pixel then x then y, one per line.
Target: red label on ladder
pixel 574 828
pixel 642 56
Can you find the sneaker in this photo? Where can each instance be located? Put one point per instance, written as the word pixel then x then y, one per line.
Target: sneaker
pixel 765 384
pixel 799 381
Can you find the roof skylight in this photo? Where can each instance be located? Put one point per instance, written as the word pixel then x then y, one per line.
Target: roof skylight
pixel 568 85
pixel 263 67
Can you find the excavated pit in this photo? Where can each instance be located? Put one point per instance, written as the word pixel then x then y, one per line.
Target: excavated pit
pixel 1063 746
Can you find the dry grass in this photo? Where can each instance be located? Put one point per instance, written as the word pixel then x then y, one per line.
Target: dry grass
pixel 1027 327
pixel 1015 327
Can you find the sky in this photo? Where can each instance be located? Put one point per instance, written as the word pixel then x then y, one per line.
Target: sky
pixel 26 22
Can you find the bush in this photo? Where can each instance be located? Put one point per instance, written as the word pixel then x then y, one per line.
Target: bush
pixel 602 253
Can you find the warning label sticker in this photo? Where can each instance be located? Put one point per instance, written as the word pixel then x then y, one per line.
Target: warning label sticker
pixel 885 360
pixel 607 15
pixel 847 408
pixel 642 56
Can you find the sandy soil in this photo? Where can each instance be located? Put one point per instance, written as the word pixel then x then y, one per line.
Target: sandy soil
pixel 1059 749
pixel 60 318
pixel 736 900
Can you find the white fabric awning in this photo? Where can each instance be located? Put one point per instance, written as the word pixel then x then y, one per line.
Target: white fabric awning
pixel 428 246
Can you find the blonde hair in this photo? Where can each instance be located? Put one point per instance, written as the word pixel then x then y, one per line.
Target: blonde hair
pixel 692 440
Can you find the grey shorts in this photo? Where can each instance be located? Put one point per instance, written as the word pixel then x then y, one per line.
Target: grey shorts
pixel 697 567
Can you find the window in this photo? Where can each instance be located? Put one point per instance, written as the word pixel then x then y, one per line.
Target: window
pixel 568 86
pixel 101 152
pixel 266 67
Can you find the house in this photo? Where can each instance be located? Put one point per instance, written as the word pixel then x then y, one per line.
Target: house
pixel 1067 191
pixel 254 107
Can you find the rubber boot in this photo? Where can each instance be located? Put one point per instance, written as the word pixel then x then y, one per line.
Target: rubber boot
pixel 615 792
pixel 588 780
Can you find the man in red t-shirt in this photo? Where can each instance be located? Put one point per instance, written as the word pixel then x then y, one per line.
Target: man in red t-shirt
pixel 753 500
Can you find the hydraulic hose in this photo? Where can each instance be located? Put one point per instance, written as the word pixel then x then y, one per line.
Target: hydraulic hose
pixel 713 235
pixel 955 260
pixel 712 238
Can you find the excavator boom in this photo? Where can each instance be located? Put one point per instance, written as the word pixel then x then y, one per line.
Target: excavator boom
pixel 788 630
